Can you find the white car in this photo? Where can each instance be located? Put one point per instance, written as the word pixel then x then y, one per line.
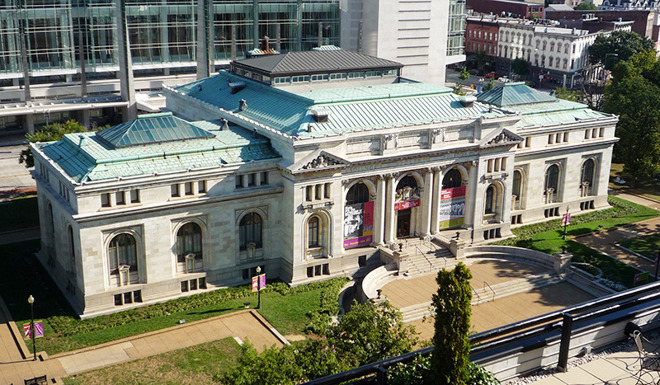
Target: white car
pixel 503 79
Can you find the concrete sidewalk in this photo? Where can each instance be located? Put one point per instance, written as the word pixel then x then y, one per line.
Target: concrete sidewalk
pixel 243 325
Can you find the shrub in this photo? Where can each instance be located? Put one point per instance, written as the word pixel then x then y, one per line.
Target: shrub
pixel 414 372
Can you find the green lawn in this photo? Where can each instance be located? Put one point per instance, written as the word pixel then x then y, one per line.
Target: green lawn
pixel 649 189
pixel 648 246
pixel 23 212
pixel 547 237
pixel 197 365
pixel 22 275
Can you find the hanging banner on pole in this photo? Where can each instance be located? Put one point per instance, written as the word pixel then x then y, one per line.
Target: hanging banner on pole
pixel 38 327
pixel 566 219
pixel 259 282
pixel 358 224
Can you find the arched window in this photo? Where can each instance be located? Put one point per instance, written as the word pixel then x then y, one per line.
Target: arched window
pixel 517 189
pixel 407 181
pixel 249 230
pixel 188 241
pixel 122 251
pixel 489 203
pixel 587 177
pixel 313 232
pixel 452 179
pixel 551 182
pixel 358 193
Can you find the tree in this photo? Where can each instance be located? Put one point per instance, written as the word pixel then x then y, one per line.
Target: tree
pixel 366 334
pixel 586 6
pixel 370 333
pixel 634 95
pixel 490 85
pixel 51 132
pixel 520 66
pixel 451 359
pixel 465 75
pixel 619 46
pixel 566 94
pixel 481 59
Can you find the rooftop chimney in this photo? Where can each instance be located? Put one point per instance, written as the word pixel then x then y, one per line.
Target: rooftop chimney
pixel 468 101
pixel 242 105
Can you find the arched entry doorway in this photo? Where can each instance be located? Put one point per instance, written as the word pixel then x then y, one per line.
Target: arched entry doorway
pixel 407 199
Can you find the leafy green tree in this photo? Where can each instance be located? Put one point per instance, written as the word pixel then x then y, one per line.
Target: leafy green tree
pixel 520 66
pixel 370 333
pixel 273 366
pixel 450 362
pixel 465 75
pixel 490 85
pixel 586 6
pixel 566 94
pixel 481 59
pixel 619 46
pixel 634 95
pixel 51 132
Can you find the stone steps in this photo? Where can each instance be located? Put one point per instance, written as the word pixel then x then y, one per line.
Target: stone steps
pixel 425 259
pixel 416 312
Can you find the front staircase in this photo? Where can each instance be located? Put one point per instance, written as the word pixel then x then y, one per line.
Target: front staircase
pixel 426 257
pixel 487 293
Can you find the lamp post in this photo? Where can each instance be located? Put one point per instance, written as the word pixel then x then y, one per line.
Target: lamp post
pixel 258 287
pixel 34 349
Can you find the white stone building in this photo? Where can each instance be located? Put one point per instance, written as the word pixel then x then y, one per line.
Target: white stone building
pixel 556 54
pixel 306 165
pixel 424 36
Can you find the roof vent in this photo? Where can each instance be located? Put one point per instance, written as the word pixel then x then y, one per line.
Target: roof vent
pixel 468 101
pixel 225 125
pixel 321 116
pixel 242 105
pixel 236 86
pixel 83 140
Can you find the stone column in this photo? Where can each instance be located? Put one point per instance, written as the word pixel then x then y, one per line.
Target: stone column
pixel 379 212
pixel 427 198
pixel 435 206
pixel 471 193
pixel 390 218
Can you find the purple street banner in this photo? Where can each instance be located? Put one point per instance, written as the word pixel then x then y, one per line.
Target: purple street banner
pixel 358 224
pixel 452 207
pixel 259 282
pixel 38 327
pixel 566 219
pixel 406 204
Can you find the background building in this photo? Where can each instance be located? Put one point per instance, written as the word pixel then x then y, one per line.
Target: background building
pixel 424 36
pixel 509 8
pixel 308 165
pixel 131 48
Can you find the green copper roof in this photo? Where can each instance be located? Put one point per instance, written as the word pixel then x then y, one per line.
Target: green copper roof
pixel 151 128
pixel 511 94
pixel 87 157
pixel 351 108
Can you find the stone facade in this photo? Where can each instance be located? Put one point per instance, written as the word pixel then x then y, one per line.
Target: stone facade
pixel 358 174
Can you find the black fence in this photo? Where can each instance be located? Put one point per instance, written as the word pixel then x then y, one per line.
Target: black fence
pixel 526 335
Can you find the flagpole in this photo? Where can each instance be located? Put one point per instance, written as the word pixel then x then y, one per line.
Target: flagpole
pixel 565 223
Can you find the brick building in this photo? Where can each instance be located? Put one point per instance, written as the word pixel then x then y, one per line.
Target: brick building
pixel 507 7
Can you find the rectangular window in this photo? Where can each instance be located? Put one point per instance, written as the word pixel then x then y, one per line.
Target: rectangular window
pixel 105 200
pixel 326 269
pixel 128 297
pixel 310 272
pixel 252 180
pixel 503 165
pixel 565 137
pixel 264 177
pixel 175 190
pixel 239 181
pixel 309 193
pixel 319 194
pixel 326 191
pixel 558 138
pixel 202 283
pixel 137 296
pixel 528 141
pixel 120 198
pixel 586 134
pixel 189 188
pixel 118 301
pixel 201 186
pixel 193 284
pixel 490 165
pixel 317 270
pixel 135 196
pixel 551 139
pixel 184 286
pixel 601 132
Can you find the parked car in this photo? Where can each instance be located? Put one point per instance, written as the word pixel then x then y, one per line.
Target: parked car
pixel 503 79
pixel 490 75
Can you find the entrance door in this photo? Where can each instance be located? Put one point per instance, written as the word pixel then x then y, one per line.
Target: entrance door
pixel 403 223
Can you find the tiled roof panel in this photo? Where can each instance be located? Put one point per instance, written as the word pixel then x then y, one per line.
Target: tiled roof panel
pixel 511 94
pixel 96 160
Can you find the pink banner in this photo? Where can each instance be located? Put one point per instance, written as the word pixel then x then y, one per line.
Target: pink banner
pixel 452 193
pixel 406 205
pixel 259 282
pixel 355 242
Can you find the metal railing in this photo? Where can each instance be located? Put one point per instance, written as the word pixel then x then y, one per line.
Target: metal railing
pixel 475 293
pixel 491 289
pixel 425 257
pixel 557 324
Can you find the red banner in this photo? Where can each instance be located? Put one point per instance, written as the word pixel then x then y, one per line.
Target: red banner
pixel 259 282
pixel 406 205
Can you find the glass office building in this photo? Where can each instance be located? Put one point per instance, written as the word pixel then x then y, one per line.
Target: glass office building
pixel 63 59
